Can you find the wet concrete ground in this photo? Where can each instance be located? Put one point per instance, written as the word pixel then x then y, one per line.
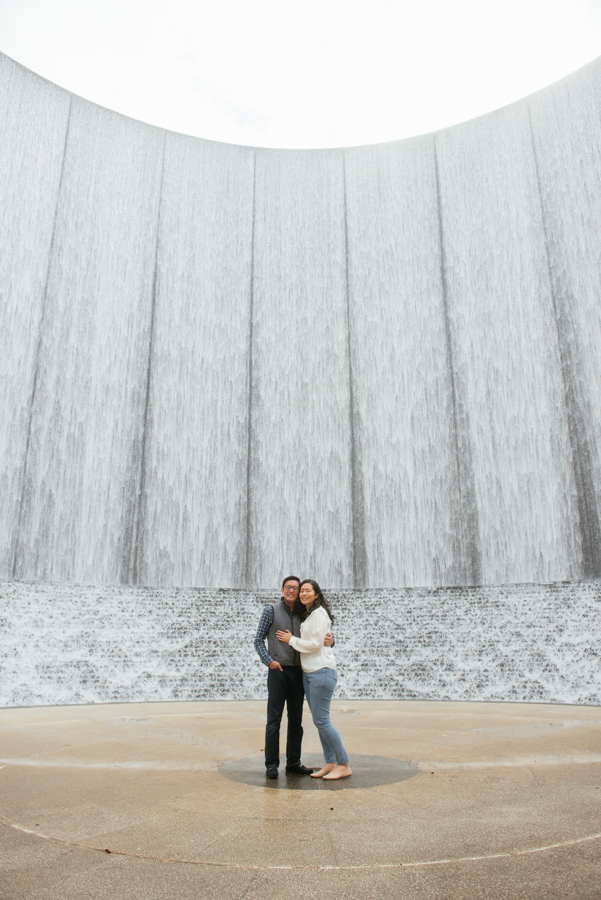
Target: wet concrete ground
pixel 459 801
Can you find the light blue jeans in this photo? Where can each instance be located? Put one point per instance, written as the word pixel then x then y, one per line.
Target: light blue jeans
pixel 319 687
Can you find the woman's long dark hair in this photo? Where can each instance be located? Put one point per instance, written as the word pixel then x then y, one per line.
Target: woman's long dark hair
pixel 320 600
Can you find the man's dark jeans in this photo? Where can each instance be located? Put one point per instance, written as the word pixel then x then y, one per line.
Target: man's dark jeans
pixel 284 687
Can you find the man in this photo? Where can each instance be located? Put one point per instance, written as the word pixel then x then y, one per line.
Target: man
pixel 284 680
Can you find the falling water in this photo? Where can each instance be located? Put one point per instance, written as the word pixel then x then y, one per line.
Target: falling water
pixel 65 643
pixel 380 365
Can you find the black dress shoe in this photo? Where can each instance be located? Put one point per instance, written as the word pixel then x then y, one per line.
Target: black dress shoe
pixel 272 772
pixel 298 769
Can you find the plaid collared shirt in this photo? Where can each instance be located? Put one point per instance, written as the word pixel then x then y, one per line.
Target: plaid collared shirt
pixel 265 623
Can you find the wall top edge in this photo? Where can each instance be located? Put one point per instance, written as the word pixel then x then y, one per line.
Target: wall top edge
pixel 582 72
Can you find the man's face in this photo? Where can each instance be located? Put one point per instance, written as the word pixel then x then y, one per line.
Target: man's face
pixel 290 592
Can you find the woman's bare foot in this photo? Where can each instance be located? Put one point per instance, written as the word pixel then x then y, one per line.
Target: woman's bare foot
pixel 329 767
pixel 338 772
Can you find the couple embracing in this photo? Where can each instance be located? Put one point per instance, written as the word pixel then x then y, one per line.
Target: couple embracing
pixel 301 664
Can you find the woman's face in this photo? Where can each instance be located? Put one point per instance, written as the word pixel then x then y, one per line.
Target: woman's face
pixel 307 595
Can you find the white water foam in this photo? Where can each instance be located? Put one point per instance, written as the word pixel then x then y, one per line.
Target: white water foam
pixel 64 644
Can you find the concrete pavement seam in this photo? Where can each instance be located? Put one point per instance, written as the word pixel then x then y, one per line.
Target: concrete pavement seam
pixel 405 865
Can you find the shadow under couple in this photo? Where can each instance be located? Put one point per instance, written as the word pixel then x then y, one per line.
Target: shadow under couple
pixel 301 664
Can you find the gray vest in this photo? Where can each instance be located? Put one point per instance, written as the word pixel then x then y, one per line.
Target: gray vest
pixel 283 620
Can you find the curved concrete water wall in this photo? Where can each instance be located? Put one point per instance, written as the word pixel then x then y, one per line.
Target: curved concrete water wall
pixel 380 365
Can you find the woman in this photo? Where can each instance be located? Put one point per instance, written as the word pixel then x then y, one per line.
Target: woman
pixel 319 675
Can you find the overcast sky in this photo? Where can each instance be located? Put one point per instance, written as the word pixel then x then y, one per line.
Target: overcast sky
pixel 302 73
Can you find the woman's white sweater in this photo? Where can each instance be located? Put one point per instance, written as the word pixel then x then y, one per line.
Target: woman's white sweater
pixel 314 655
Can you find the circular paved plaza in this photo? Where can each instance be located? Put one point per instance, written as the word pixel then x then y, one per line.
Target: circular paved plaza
pixel 167 800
